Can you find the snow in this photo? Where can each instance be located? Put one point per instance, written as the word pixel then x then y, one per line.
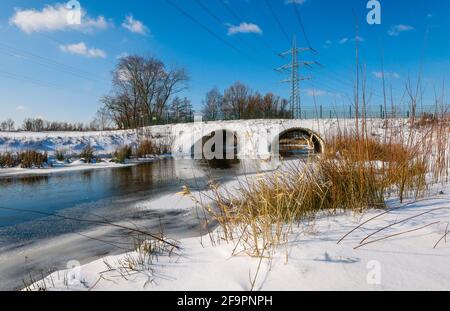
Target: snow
pixel 105 142
pixel 64 168
pixel 313 260
pixel 405 257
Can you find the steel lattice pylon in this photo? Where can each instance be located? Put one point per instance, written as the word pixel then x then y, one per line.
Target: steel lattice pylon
pixel 294 69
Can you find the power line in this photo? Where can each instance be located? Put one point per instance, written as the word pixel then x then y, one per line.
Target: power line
pixel 221 22
pixel 26 79
pixel 336 77
pixel 295 78
pixel 215 35
pixel 238 19
pixel 302 26
pixel 38 82
pixel 280 26
pixel 45 62
pixel 212 33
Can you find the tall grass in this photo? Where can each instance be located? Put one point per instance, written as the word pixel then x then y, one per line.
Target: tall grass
pixel 88 154
pixel 146 148
pixel 122 154
pixel 24 159
pixel 31 159
pixel 358 171
pixel 8 160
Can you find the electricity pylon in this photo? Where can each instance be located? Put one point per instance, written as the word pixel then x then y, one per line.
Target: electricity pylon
pixel 293 68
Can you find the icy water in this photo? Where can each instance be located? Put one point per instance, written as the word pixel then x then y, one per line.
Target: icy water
pixel 33 241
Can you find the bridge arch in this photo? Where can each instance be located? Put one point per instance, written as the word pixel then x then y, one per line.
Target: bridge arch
pixel 229 141
pixel 298 140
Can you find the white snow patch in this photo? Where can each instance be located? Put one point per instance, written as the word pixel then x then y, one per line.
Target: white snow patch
pixel 315 261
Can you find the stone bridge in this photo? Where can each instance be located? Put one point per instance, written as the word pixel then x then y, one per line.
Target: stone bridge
pixel 251 139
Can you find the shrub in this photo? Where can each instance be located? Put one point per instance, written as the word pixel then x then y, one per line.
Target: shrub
pixel 122 154
pixel 427 119
pixel 31 159
pixel 7 159
pixel 145 148
pixel 60 155
pixel 88 153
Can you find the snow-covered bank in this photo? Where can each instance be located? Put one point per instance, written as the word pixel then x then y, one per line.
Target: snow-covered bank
pixel 105 142
pixel 406 260
pixel 73 167
pixel 76 166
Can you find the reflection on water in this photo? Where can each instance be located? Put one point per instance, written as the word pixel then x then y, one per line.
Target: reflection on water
pixel 57 192
pixel 105 193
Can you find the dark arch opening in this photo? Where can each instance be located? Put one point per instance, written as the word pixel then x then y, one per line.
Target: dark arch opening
pixel 299 142
pixel 229 154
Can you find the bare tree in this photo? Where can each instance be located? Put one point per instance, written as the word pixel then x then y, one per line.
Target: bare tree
pixel 180 110
pixel 102 120
pixel 142 88
pixel 213 105
pixel 7 125
pixel 235 100
pixel 240 102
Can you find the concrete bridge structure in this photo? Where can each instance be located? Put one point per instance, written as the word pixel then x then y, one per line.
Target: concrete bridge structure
pixel 253 138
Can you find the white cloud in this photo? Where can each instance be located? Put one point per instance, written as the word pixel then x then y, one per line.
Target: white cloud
pixel 21 108
pixel 53 18
pixel 244 28
pixel 295 1
pixel 355 39
pixel 398 29
pixel 134 25
pixel 379 75
pixel 82 49
pixel 327 44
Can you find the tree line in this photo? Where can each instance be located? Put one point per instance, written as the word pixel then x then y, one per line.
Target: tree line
pixel 41 125
pixel 239 102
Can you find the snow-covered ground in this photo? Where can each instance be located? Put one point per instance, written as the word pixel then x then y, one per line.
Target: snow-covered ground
pixel 76 166
pixel 408 250
pixel 72 142
pixel 62 168
pixel 407 256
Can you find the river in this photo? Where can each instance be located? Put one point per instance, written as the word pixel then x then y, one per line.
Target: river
pixel 42 218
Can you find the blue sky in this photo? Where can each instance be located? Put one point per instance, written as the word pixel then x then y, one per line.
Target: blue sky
pixel 59 71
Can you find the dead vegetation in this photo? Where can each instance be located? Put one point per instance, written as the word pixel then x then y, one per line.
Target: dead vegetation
pixel 357 172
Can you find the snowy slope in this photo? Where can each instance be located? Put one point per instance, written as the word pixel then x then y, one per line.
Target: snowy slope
pixel 73 142
pixel 315 261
